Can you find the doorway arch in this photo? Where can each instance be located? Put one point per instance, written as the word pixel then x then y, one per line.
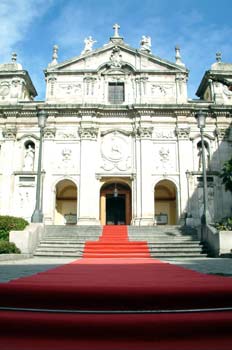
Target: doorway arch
pixel 115 205
pixel 165 198
pixel 66 203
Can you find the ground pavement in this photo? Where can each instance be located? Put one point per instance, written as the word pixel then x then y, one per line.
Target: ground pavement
pixel 11 269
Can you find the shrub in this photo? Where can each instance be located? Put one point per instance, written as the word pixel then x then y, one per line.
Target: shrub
pixel 224 225
pixel 9 223
pixel 8 248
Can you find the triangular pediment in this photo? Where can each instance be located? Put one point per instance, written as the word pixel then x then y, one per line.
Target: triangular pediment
pixel 117 59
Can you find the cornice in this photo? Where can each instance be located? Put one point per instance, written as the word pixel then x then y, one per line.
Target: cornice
pixel 27 110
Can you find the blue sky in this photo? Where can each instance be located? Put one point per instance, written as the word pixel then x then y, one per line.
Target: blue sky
pixel 32 27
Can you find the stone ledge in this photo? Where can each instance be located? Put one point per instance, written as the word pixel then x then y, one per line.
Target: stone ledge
pixel 5 257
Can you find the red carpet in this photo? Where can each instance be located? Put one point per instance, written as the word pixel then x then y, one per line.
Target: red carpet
pixel 114 243
pixel 117 284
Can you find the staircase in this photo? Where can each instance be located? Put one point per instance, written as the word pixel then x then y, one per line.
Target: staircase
pixel 169 241
pixel 114 243
pixel 66 241
pixel 163 242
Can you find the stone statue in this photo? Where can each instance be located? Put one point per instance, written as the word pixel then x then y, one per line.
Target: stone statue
pixel 207 156
pixel 88 44
pixel 29 159
pixel 145 43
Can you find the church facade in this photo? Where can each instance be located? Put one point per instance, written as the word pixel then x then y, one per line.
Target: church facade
pixel 121 143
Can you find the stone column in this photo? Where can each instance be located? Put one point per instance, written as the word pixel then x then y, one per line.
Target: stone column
pixel 88 191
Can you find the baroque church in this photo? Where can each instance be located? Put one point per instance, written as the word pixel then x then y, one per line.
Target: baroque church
pixel 121 144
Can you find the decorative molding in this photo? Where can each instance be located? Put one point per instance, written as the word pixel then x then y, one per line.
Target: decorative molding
pixel 222 133
pixel 145 133
pixel 9 133
pixel 88 133
pixel 49 133
pixel 182 133
pixel 28 137
pixel 120 131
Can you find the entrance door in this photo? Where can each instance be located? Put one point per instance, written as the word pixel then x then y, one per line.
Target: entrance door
pixel 115 203
pixel 115 209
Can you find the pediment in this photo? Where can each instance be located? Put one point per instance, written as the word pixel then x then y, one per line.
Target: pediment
pixel 116 59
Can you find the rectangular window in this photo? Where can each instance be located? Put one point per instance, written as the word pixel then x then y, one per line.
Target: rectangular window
pixel 116 93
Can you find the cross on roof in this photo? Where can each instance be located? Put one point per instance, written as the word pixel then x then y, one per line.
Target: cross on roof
pixel 116 27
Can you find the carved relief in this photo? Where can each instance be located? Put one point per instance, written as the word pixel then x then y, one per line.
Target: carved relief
pixel 227 90
pixel 67 135
pixel 115 152
pixel 71 88
pixel 160 90
pixel 116 58
pixel 4 89
pixel 15 87
pixel 165 158
pixel 164 134
pixel 66 161
pixel 66 154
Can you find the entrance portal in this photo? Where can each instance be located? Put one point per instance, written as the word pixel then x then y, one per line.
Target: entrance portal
pixel 115 204
pixel 165 203
pixel 66 203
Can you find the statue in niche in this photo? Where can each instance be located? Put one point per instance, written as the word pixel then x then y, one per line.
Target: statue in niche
pixel 207 155
pixel 145 43
pixel 88 44
pixel 29 158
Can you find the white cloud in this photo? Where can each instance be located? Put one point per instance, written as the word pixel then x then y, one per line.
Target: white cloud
pixel 16 16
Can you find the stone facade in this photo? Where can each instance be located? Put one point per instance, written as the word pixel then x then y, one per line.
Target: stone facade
pixel 120 128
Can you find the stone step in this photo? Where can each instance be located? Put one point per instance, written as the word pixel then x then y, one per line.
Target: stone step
pixel 59 254
pixel 175 244
pixel 115 255
pixel 171 249
pixel 61 246
pixel 177 255
pixel 57 249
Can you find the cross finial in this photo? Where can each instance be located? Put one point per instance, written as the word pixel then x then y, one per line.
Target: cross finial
pixel 218 56
pixel 178 56
pixel 14 57
pixel 116 27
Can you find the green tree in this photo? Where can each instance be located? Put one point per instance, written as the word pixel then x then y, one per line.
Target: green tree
pixel 226 175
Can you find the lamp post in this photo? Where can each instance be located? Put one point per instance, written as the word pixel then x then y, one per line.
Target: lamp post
pixel 37 215
pixel 201 116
